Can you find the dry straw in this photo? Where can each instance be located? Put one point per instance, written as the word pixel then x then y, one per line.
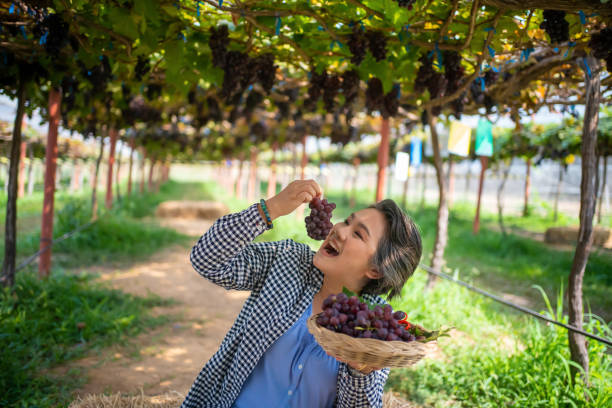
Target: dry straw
pixel 374 353
pixel 173 400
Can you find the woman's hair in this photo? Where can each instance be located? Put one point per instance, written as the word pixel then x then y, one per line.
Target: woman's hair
pixel 398 253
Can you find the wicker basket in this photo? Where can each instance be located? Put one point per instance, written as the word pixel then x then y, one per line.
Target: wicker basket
pixel 373 352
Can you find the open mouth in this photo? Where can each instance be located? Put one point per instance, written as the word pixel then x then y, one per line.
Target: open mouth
pixel 330 250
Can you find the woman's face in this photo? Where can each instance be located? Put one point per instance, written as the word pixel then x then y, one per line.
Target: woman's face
pixel 345 254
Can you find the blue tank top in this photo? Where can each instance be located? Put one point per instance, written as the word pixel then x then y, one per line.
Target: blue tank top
pixel 294 372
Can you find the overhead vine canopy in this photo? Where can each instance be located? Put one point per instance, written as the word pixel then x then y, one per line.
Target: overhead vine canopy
pixel 302 63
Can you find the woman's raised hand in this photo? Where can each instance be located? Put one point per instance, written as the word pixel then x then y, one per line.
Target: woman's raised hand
pixel 297 192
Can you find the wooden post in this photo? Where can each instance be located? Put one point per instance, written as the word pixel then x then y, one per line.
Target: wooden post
pixel 252 176
pixel 22 156
pixel 588 190
pixel 31 172
pixel 111 162
pixel 143 161
pixel 527 186
pixel 603 190
pixel 451 180
pixel 118 176
pixel 94 181
pixel 46 230
pixel 10 235
pixel 150 181
pixel 383 159
pixel 129 188
pixel 442 216
pixel 272 179
pixel 483 167
pixel 76 175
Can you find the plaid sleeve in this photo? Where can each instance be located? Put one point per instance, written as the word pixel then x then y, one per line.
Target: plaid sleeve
pixel 225 254
pixel 366 391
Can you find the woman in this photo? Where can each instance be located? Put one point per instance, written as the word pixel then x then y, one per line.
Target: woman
pixel 268 358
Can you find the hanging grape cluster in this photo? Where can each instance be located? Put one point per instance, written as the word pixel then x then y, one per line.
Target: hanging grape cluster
pixel 316 85
pixel 241 71
pixel 377 43
pixel 55 32
pixel 98 75
pixel 601 44
pixel 375 96
pixel 430 79
pixel 407 4
pixel 348 315
pixel 350 86
pixel 218 42
pixel 318 223
pixel 331 89
pixel 142 67
pixel 358 44
pixel 387 104
pixel 555 25
pixel 214 111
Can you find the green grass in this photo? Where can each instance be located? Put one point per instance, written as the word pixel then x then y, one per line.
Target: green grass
pixel 39 328
pixel 119 235
pixel 498 358
pixel 38 320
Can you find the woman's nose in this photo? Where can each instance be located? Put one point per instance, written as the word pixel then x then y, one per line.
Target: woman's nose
pixel 340 230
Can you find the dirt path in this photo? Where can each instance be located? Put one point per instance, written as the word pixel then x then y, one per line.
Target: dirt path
pixel 169 357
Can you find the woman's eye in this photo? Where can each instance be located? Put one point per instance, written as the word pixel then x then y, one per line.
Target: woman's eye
pixel 346 221
pixel 358 234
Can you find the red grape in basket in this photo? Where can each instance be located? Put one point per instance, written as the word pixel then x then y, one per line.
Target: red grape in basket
pixel 318 223
pixel 350 316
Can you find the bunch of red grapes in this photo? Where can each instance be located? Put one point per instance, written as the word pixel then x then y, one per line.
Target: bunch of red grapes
pixel 318 223
pixel 349 315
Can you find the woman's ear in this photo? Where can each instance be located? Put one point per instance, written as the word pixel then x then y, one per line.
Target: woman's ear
pixel 373 274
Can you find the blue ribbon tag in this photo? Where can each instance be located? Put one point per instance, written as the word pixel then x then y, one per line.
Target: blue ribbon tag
pixel 491 29
pixel 582 17
pixel 43 38
pixel 320 28
pixel 586 66
pixel 23 31
pixel 220 3
pixel 12 8
pixel 278 25
pixel 570 45
pixel 491 51
pixel 198 8
pixel 439 56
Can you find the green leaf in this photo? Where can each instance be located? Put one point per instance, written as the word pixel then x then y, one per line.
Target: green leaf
pixel 123 23
pixel 348 292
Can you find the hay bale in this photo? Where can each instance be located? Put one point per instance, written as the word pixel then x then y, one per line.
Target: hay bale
pixel 569 235
pixel 174 399
pixel 171 399
pixel 210 210
pixel 391 400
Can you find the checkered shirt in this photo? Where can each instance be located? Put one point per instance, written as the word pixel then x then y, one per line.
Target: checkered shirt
pixel 282 280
